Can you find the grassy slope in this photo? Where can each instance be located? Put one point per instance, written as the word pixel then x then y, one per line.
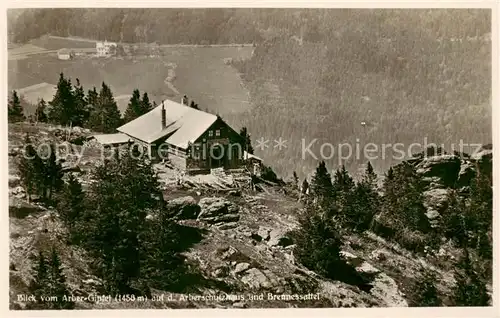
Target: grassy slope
pixel 200 73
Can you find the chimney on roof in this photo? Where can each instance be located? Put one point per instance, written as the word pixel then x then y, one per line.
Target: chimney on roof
pixel 185 100
pixel 163 116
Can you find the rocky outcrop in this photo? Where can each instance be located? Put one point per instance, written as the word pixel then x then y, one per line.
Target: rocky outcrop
pixel 256 279
pixel 435 202
pixel 272 237
pixel 466 174
pixel 442 169
pixel 217 210
pixel 183 208
pixel 14 181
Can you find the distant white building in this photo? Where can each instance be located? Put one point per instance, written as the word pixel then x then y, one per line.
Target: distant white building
pixel 105 48
pixel 64 54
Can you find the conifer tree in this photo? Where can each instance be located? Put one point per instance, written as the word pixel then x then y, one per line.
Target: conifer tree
pixel 470 289
pixel 318 243
pixel 456 220
pixel 92 100
pixel 481 210
pixel 105 117
pixel 161 262
pixel 146 105
pixel 57 284
pixel 342 183
pixel 40 111
pixel 321 185
pixel 403 201
pixel 92 97
pixel 15 110
pixel 362 203
pixel 122 195
pixel 246 140
pixel 53 174
pixel 81 111
pixel 49 281
pixel 305 186
pixel 62 109
pixel 71 203
pixel 370 177
pixel 39 285
pixel 134 108
pixel 295 179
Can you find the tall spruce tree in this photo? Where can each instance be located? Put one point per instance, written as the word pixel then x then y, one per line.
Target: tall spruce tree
pixel 403 199
pixel 321 185
pixel 92 97
pixel 57 284
pixel 481 208
pixel 39 285
pixel 295 180
pixel 305 186
pixel 62 109
pixel 40 114
pixel 122 195
pixel 105 116
pixel 49 281
pixel 71 204
pixel 53 174
pixel 318 243
pixel 247 141
pixel 146 105
pixel 470 288
pixel 363 202
pixel 370 177
pixel 81 112
pixel 92 100
pixel 456 220
pixel 342 183
pixel 134 108
pixel 161 263
pixel 15 109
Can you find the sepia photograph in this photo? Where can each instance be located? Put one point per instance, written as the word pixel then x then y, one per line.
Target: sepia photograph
pixel 245 158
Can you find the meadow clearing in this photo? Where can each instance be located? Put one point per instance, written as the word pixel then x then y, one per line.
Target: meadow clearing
pixel 199 72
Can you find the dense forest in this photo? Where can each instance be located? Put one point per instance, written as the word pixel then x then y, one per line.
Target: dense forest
pixel 408 75
pixel 219 25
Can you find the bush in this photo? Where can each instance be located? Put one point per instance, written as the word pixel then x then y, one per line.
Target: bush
pixel 426 291
pixel 412 240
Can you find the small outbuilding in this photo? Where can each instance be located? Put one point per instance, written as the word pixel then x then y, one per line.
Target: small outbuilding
pixel 64 54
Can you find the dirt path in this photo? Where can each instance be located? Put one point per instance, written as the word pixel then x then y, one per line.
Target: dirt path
pixel 171 77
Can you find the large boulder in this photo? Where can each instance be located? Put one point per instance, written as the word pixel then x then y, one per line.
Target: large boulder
pixel 445 167
pixel 14 181
pixel 217 210
pixel 184 208
pixel 466 174
pixel 386 290
pixel 279 237
pixel 435 202
pixel 256 279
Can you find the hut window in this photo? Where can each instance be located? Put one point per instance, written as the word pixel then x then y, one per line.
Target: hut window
pixel 210 133
pixel 217 132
